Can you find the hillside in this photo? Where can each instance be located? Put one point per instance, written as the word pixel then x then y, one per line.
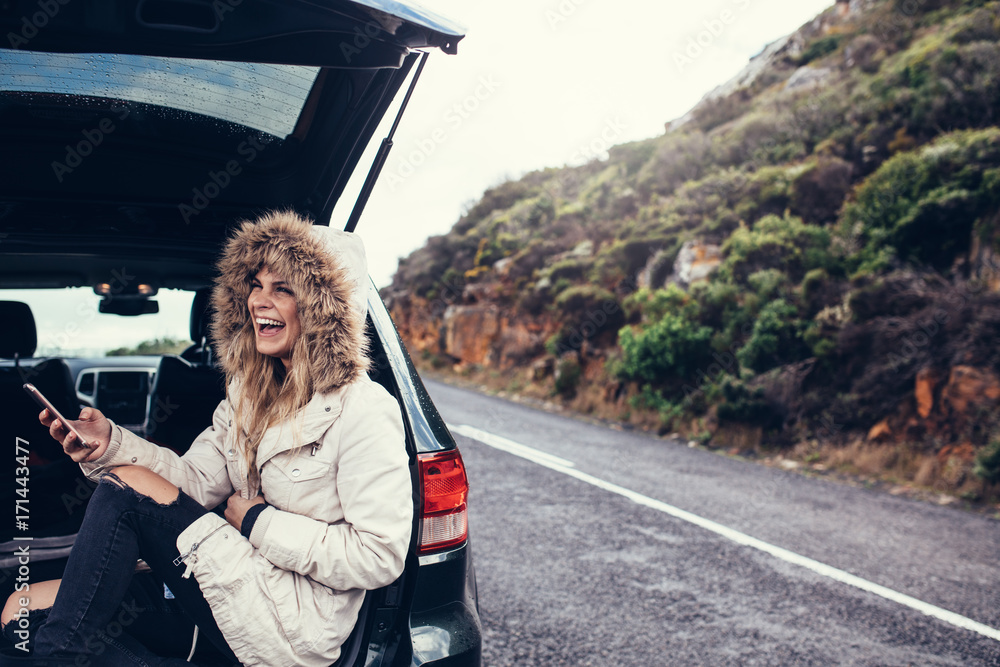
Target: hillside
pixel 805 264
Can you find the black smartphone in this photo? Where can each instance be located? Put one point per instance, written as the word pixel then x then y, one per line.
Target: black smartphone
pixel 45 403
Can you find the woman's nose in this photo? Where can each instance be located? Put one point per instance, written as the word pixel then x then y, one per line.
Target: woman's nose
pixel 260 300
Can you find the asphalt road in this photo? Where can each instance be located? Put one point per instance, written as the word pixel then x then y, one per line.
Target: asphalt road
pixel 601 547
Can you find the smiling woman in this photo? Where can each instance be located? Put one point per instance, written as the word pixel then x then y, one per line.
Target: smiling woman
pixel 275 315
pixel 281 579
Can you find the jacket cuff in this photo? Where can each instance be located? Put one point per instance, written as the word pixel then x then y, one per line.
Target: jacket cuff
pixel 92 468
pixel 261 524
pixel 250 518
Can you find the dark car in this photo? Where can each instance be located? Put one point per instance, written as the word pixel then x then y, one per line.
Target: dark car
pixel 135 134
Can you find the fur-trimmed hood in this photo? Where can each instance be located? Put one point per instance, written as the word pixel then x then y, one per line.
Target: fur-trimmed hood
pixel 327 271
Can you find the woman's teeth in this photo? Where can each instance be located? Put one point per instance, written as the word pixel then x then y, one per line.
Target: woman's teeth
pixel 265 322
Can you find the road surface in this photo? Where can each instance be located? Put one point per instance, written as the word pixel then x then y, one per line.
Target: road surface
pixel 595 546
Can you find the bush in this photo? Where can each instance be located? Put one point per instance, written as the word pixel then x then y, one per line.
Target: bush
pixel 819 191
pixel 587 312
pixel 680 157
pixel 781 243
pixel 988 462
pixel 671 348
pixel 745 405
pixel 776 338
pixel 655 304
pixel 819 48
pixel 922 205
pixel 567 376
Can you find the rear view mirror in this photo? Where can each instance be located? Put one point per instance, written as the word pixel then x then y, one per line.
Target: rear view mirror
pixel 128 306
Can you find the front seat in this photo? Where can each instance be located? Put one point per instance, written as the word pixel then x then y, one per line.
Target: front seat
pixel 187 388
pixel 58 488
pixel 18 339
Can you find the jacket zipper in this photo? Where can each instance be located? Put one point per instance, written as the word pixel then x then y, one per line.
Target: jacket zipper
pixel 192 553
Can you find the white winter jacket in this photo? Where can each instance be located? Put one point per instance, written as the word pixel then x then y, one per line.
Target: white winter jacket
pixel 339 523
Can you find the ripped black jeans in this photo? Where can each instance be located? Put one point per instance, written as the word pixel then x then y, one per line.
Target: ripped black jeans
pixel 87 624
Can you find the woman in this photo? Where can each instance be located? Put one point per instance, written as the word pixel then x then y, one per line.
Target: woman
pixel 308 451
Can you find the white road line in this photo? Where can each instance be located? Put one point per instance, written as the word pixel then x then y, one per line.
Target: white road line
pixel 568 468
pixel 511 447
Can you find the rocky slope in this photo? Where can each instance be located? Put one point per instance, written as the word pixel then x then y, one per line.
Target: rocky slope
pixel 807 262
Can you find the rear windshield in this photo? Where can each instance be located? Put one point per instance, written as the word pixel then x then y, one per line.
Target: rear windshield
pixel 267 98
pixel 68 323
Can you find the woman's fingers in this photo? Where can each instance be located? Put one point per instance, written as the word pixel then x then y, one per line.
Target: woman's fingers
pixel 57 430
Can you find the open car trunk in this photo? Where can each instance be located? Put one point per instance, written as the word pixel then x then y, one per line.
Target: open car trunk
pixel 136 133
pixel 154 124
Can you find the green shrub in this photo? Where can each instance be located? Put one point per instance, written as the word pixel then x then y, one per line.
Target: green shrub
pixel 670 348
pixel 988 462
pixel 922 205
pixel 784 243
pixel 655 304
pixel 649 398
pixel 819 48
pixel 744 405
pixel 768 283
pixel 572 268
pixel 587 311
pixel 567 375
pixel 775 338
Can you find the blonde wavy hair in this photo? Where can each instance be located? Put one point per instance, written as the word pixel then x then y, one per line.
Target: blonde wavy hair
pixel 331 349
pixel 269 395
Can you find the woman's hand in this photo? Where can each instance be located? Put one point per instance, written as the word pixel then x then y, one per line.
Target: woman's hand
pixel 237 506
pixel 93 425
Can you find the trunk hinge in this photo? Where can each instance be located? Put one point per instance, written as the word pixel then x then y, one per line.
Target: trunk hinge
pixel 382 155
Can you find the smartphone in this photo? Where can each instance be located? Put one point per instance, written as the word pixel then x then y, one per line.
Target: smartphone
pixel 45 403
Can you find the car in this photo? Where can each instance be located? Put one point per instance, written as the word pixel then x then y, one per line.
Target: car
pixel 136 134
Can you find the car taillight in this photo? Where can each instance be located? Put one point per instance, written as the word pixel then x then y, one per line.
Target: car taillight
pixel 444 521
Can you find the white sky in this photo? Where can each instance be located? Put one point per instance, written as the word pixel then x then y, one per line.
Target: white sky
pixel 536 83
pixel 544 83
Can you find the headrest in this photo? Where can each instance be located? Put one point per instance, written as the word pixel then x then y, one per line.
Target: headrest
pixel 18 337
pixel 201 311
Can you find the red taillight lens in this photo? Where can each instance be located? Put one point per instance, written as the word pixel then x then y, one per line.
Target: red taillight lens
pixel 444 521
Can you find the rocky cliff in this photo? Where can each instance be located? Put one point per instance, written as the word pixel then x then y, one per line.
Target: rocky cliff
pixel 807 262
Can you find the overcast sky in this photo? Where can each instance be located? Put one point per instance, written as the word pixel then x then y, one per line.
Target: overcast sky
pixel 536 83
pixel 544 83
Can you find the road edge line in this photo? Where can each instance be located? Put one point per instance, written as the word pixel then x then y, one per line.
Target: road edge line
pixel 552 462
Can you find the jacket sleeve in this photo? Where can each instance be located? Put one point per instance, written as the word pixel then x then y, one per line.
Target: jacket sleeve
pixel 367 550
pixel 201 472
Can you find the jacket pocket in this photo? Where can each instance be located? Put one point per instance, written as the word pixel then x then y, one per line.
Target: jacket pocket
pixel 295 483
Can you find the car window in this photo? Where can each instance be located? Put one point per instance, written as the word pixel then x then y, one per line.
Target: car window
pixel 264 97
pixel 69 324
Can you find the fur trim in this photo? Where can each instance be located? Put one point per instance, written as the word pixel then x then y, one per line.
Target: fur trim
pixel 326 289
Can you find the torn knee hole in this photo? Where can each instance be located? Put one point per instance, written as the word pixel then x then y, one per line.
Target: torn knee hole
pixel 155 496
pixel 116 480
